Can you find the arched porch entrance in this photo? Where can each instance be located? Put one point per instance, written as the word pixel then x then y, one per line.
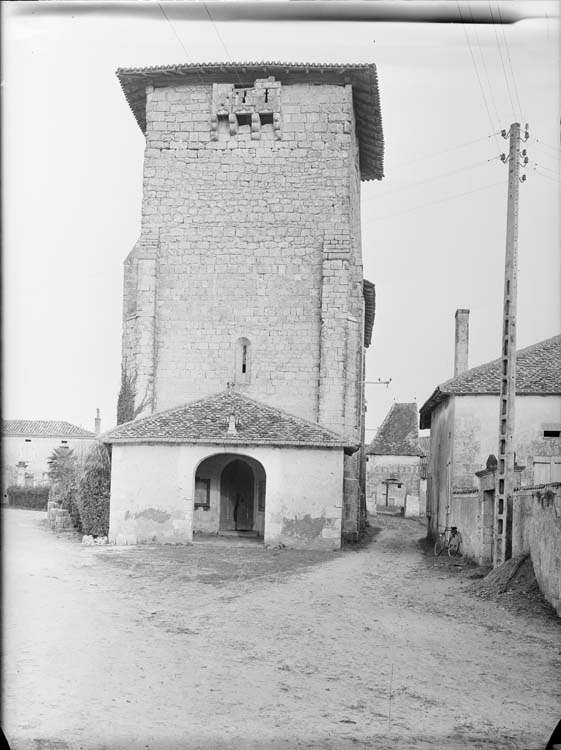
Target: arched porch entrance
pixel 230 491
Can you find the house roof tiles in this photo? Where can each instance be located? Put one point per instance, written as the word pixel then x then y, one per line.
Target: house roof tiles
pixel 31 428
pixel 362 77
pixel 398 434
pixel 538 372
pixel 207 421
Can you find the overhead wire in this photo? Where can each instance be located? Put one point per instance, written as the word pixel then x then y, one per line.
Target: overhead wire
pixel 383 194
pixel 546 176
pixel 175 32
pixel 441 200
pixel 477 73
pixel 447 150
pixel 556 149
pixel 510 63
pixel 484 64
pixel 215 27
pixel 502 63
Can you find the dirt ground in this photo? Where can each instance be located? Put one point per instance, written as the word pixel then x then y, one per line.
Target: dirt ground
pixel 225 645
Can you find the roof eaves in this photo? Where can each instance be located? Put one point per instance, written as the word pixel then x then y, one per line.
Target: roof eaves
pixel 427 408
pixel 363 77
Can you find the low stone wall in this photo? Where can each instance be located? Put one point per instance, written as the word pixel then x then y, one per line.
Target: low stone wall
pixel 464 513
pixel 536 528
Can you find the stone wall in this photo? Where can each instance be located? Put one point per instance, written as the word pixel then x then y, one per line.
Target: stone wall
pixel 536 529
pixel 242 237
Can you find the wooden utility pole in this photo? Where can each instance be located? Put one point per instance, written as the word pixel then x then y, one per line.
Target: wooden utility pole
pixel 505 469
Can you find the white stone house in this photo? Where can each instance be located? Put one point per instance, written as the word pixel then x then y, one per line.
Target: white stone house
pixel 248 272
pixel 27 445
pixel 463 416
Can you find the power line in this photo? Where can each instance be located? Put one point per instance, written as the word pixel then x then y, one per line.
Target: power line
pixel 491 95
pixel 556 149
pixel 510 63
pixel 502 62
pixel 477 73
pixel 175 32
pixel 437 177
pixel 447 150
pixel 546 176
pixel 442 200
pixel 548 169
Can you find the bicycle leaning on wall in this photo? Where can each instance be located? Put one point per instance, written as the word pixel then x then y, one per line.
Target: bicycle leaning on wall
pixel 450 540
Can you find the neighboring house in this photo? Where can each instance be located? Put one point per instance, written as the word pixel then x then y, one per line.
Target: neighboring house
pixel 463 416
pixel 393 461
pixel 244 301
pixel 27 445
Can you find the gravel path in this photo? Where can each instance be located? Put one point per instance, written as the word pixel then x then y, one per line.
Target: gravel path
pixel 236 647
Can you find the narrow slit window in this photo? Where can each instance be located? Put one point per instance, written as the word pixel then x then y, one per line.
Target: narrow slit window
pixel 243 360
pixel 552 433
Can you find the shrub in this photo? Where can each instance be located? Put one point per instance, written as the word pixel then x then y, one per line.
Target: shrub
pixel 64 472
pixel 95 484
pixel 35 498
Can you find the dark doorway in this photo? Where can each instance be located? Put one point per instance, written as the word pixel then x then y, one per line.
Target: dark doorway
pixel 237 486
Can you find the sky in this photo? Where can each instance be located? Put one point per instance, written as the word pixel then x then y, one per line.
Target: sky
pixel 433 231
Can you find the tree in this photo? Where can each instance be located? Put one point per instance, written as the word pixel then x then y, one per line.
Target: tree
pixel 94 491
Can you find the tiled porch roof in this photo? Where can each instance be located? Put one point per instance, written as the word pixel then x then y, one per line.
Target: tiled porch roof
pixel 207 421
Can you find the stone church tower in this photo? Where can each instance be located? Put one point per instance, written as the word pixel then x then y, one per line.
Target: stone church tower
pixel 248 271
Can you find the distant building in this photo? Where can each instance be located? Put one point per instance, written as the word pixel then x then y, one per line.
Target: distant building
pixel 463 417
pixel 245 297
pixel 27 445
pixel 394 462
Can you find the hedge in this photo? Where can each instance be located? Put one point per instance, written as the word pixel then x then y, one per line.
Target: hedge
pixel 94 491
pixel 34 498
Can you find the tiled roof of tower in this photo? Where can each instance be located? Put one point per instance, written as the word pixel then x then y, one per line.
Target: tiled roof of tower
pixel 538 372
pixel 207 421
pixel 398 434
pixel 362 77
pixel 41 428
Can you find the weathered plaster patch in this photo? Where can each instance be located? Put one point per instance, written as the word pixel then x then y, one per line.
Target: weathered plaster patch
pixel 153 514
pixel 305 527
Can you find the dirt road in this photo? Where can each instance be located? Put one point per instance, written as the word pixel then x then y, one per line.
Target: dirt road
pixel 237 647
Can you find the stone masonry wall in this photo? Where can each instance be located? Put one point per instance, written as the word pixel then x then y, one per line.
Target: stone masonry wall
pixel 239 224
pixel 536 528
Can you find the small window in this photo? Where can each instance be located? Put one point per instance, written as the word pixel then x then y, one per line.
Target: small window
pixel 202 493
pixel 64 442
pixel 266 118
pixel 552 433
pixel 243 361
pixel 244 119
pixel 27 440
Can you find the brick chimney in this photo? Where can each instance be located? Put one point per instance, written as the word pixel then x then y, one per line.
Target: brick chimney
pixel 461 347
pixel 97 422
